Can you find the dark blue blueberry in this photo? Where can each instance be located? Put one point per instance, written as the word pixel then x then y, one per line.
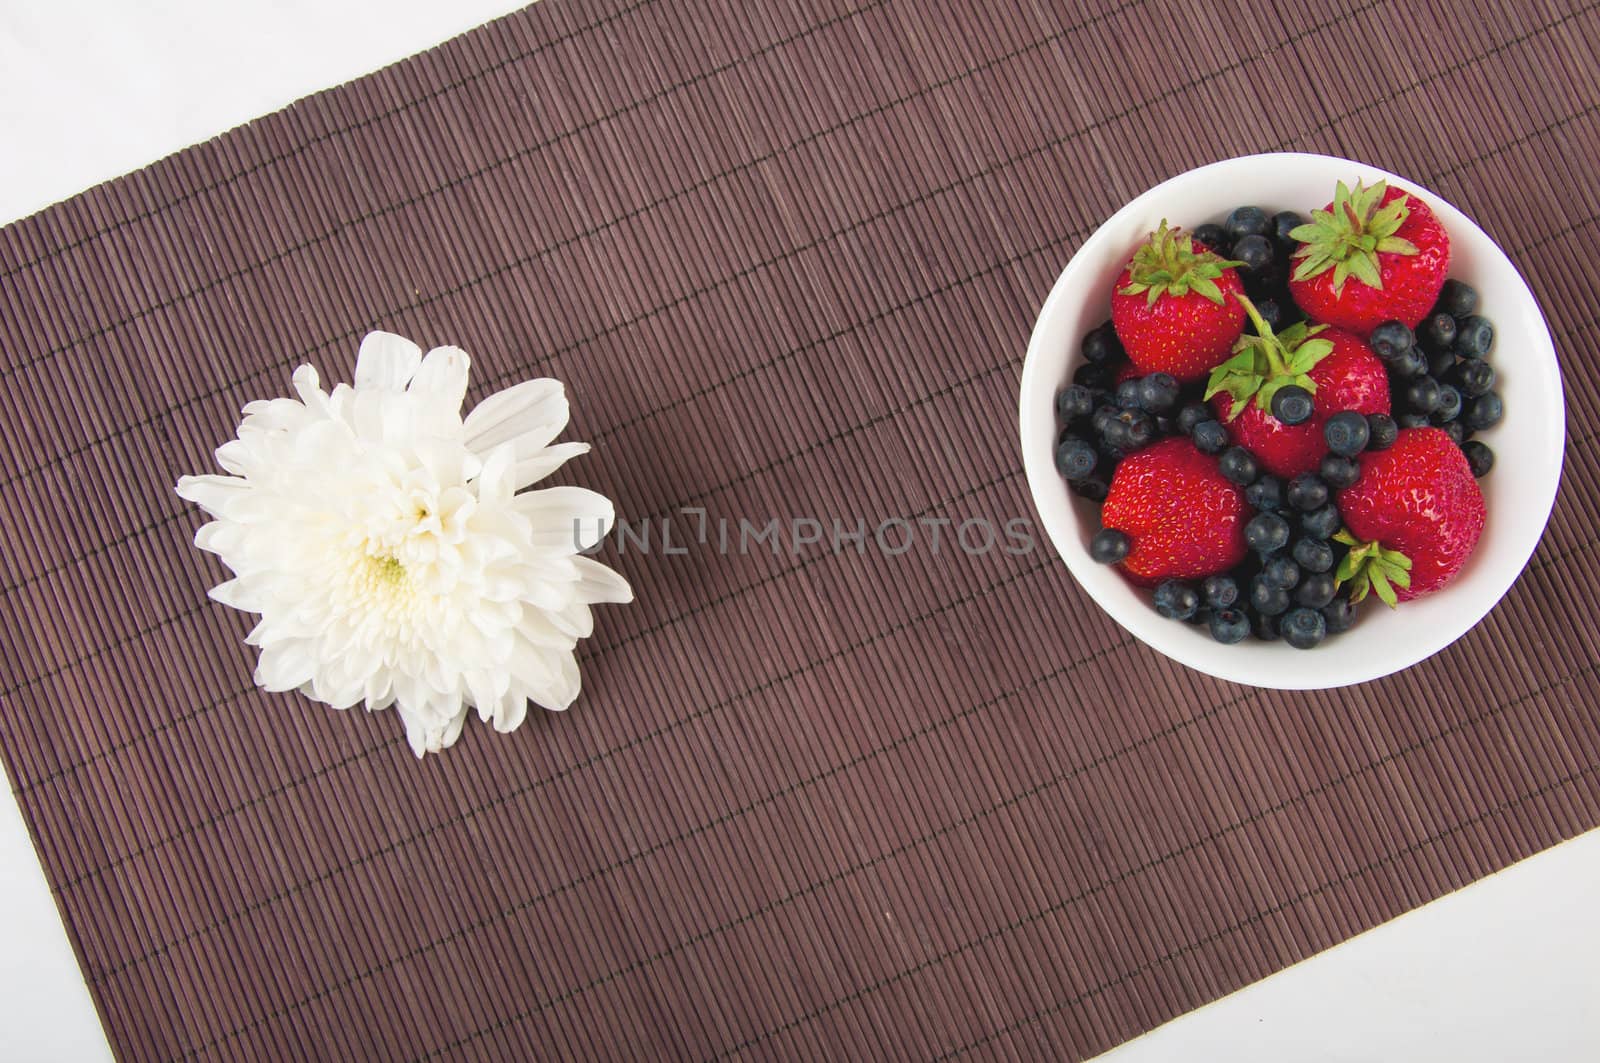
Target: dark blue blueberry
pixel 1316 590
pixel 1074 402
pixel 1408 364
pixel 1283 223
pixel 1239 465
pixel 1267 533
pixel 1267 597
pixel 1381 431
pixel 1075 457
pixel 1474 337
pixel 1422 395
pixel 1449 407
pixel 1110 546
pixel 1292 404
pixel 1265 494
pixel 1483 412
pixel 1265 626
pixel 1129 395
pixel 1304 628
pixel 1139 429
pixel 1346 433
pixel 1176 600
pixel 1272 313
pixel 1456 298
pixel 1455 430
pixel 1437 333
pixel 1339 615
pixel 1322 523
pixel 1313 555
pixel 1220 592
pixel 1158 392
pixel 1339 472
pixel 1257 254
pixel 1191 415
pixel 1210 437
pixel 1213 236
pixel 1441 363
pixel 1247 221
pixel 1103 418
pixel 1307 492
pixel 1094 490
pixel 1229 626
pixel 1390 340
pixel 1472 378
pixel 1411 419
pixel 1094 375
pixel 1281 572
pixel 1101 345
pixel 1480 459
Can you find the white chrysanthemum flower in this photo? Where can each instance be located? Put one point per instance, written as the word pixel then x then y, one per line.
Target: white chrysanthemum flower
pixel 383 541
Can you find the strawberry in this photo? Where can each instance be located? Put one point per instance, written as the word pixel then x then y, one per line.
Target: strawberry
pixel 1412 518
pixel 1387 241
pixel 1186 521
pixel 1338 369
pixel 1172 309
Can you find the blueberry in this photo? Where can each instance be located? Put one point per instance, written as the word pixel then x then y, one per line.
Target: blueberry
pixel 1381 431
pixel 1267 533
pixel 1247 221
pixel 1441 363
pixel 1075 458
pixel 1322 523
pixel 1313 555
pixel 1103 418
pixel 1219 592
pixel 1409 363
pixel 1455 430
pixel 1411 420
pixel 1307 492
pixel 1239 465
pixel 1472 378
pixel 1257 254
pixel 1213 236
pixel 1129 395
pixel 1474 337
pixel 1292 404
pixel 1339 615
pixel 1101 345
pixel 1074 402
pixel 1191 415
pixel 1283 223
pixel 1210 437
pixel 1131 430
pixel 1267 597
pixel 1437 333
pixel 1303 628
pixel 1457 299
pixel 1316 590
pixel 1483 412
pixel 1390 339
pixel 1346 433
pixel 1480 459
pixel 1339 473
pixel 1265 494
pixel 1272 313
pixel 1265 626
pixel 1094 490
pixel 1110 546
pixel 1281 572
pixel 1094 375
pixel 1449 407
pixel 1158 392
pixel 1422 395
pixel 1176 600
pixel 1229 626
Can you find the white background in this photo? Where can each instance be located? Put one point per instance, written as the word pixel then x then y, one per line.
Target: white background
pixel 1508 969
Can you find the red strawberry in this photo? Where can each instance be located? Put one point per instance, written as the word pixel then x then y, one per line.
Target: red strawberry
pixel 1412 518
pixel 1185 519
pixel 1387 242
pixel 1172 306
pixel 1338 369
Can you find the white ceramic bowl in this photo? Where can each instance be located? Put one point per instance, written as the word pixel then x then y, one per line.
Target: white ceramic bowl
pixel 1518 492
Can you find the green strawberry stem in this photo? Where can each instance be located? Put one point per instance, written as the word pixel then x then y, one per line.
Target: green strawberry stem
pixel 1349 238
pixel 1370 566
pixel 1167 264
pixel 1264 364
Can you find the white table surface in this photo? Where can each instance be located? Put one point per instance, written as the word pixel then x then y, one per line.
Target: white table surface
pixel 1507 969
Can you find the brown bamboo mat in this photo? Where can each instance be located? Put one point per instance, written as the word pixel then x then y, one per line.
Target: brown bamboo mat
pixel 786 258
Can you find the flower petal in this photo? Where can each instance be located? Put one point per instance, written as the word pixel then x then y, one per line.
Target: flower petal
pixel 532 468
pixel 533 412
pixel 566 519
pixel 599 584
pixel 386 361
pixel 441 380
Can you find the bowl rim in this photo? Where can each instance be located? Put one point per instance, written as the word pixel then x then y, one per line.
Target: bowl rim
pixel 1138 618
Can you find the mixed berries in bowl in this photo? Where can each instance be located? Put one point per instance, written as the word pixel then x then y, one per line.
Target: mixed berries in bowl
pixel 1292 403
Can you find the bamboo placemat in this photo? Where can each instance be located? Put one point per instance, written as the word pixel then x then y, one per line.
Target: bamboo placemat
pixel 786 257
